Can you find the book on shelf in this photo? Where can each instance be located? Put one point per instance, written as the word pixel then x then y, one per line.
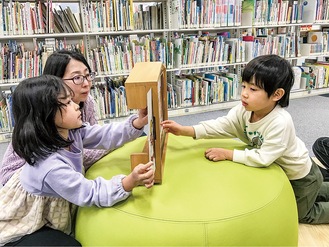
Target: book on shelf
pixel 224 13
pixel 73 20
pixel 325 66
pixel 230 12
pixel 62 19
pixel 2 23
pixel 309 11
pixel 58 22
pixel 138 16
pixel 211 96
pixel 237 13
pixel 308 78
pixel 149 16
pixel 195 88
pixel 248 11
pixel 315 37
pixel 297 75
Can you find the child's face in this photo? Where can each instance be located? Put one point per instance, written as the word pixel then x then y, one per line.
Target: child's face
pixel 69 117
pixel 75 68
pixel 256 99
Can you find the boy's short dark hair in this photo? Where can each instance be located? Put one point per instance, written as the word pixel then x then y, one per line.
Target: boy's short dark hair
pixel 270 72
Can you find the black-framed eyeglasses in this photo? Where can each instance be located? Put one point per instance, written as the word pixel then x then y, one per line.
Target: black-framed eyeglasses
pixel 79 79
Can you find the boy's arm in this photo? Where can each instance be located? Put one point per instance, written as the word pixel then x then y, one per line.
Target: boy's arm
pixel 170 126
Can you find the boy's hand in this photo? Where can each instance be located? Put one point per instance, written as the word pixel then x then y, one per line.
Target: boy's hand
pixel 143 174
pixel 218 154
pixel 170 126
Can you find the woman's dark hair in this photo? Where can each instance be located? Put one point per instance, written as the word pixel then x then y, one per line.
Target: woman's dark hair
pixel 270 72
pixel 57 62
pixel 35 103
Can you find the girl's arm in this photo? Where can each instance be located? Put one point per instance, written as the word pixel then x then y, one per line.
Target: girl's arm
pixel 56 177
pixel 109 136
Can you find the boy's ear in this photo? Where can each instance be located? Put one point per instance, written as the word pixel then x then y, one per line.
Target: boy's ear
pixel 278 94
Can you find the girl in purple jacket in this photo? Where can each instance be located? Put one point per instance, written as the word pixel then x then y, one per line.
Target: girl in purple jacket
pixel 38 202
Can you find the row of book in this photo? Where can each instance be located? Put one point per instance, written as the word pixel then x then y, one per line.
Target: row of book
pixel 148 16
pixel 284 45
pixel 273 12
pixel 117 55
pixel 40 17
pixel 222 13
pixel 20 18
pixel 316 11
pixel 311 75
pixel 37 18
pixel 207 13
pixel 208 49
pixel 109 15
pixel 316 42
pixel 203 89
pixel 17 62
pixel 110 98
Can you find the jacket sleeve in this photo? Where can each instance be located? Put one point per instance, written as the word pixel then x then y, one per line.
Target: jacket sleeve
pixel 109 136
pixel 71 185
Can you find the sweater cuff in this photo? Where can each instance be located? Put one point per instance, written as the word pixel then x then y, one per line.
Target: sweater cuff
pixel 239 156
pixel 118 180
pixel 200 131
pixel 131 120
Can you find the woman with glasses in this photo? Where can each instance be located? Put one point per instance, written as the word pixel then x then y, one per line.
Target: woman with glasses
pixel 74 69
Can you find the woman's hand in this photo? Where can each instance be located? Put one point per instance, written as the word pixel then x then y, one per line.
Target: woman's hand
pixel 217 154
pixel 143 174
pixel 142 120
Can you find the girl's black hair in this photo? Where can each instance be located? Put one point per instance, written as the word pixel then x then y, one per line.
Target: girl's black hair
pixel 57 62
pixel 270 72
pixel 35 103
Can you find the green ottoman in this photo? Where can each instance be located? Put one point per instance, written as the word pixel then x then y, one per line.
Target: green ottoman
pixel 199 203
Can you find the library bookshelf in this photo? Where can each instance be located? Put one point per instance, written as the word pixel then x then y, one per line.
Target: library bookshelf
pixel 203 45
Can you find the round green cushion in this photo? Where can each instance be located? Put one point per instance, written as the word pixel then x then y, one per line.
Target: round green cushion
pixel 199 203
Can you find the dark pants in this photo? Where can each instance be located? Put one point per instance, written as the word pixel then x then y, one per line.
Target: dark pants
pixel 321 151
pixel 46 237
pixel 312 197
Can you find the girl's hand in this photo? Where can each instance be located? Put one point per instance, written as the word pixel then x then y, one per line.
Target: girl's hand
pixel 142 120
pixel 170 126
pixel 143 174
pixel 217 154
